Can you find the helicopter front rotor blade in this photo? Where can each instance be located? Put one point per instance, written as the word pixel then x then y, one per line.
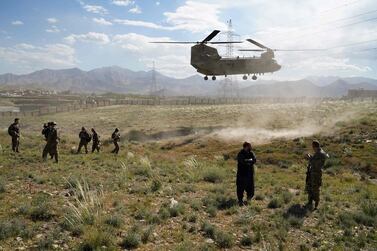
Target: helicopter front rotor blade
pixel 211 36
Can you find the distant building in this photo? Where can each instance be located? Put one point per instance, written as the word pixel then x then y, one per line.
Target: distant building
pixel 361 93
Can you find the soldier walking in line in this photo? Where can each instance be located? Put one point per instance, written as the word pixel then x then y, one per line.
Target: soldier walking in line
pixel 314 174
pixel 116 138
pixel 96 141
pixel 52 143
pixel 245 173
pixel 85 138
pixel 14 132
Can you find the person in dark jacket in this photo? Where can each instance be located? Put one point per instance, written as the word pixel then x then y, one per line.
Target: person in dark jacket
pixel 85 138
pixel 116 138
pixel 52 143
pixel 96 142
pixel 14 132
pixel 245 173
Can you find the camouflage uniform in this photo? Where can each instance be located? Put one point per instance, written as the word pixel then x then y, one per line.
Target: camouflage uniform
pixel 84 140
pixel 14 132
pixel 96 142
pixel 116 138
pixel 314 176
pixel 52 145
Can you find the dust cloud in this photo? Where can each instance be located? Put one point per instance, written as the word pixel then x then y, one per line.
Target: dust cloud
pixel 289 125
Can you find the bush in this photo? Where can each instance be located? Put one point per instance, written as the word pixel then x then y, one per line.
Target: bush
pixel 156 185
pixel 12 228
pixel 192 218
pixel 224 240
pixel 40 213
pixel 176 210
pixel 274 203
pixel 295 221
pixel 131 241
pixel 212 211
pixel 259 197
pixel 246 241
pixel 287 197
pixel 208 230
pixel 114 221
pixel 213 175
pixel 2 186
pixel 145 236
pixel 95 239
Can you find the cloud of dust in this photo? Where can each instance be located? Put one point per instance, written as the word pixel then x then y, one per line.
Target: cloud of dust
pixel 262 131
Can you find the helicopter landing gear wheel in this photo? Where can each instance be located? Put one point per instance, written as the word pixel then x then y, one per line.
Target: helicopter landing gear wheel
pixel 244 77
pixel 206 78
pixel 254 77
pixel 214 78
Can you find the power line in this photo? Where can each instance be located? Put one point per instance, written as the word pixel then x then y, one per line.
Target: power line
pixel 341 6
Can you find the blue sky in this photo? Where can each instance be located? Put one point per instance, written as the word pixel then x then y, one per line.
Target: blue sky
pixel 88 34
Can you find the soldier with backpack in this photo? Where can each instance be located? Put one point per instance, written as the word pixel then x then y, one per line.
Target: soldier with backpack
pixel 85 138
pixel 14 132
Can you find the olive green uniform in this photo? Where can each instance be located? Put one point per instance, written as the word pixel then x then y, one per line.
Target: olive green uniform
pixel 116 138
pixel 314 176
pixel 14 132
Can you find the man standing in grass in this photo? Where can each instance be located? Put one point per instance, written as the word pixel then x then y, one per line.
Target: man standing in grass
pixel 245 173
pixel 52 143
pixel 116 138
pixel 314 174
pixel 85 138
pixel 96 142
pixel 14 132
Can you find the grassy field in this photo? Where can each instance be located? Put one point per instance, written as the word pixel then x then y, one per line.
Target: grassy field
pixel 172 187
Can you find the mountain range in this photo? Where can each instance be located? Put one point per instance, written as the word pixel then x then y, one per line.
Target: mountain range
pixel 120 80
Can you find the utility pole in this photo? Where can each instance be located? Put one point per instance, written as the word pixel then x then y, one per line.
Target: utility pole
pixel 230 85
pixel 153 90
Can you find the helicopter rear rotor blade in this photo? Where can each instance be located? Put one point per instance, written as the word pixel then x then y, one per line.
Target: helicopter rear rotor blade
pixel 257 44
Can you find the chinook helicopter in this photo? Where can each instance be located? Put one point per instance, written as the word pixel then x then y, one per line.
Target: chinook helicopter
pixel 207 61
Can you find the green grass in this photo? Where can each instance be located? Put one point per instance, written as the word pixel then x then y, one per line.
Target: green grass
pixel 93 199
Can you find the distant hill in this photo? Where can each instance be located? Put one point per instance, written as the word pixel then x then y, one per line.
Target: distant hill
pixel 117 79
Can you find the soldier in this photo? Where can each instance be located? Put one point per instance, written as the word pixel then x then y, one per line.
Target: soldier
pixel 314 174
pixel 14 132
pixel 245 173
pixel 116 138
pixel 96 142
pixel 85 138
pixel 52 143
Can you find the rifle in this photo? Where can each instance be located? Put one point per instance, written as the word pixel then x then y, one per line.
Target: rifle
pixel 307 180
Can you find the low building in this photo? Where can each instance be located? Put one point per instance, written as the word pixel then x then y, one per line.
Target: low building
pixel 361 93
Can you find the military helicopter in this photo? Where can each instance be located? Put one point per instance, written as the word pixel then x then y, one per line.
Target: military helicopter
pixel 207 61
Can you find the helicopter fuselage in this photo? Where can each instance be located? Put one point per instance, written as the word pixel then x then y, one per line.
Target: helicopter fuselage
pixel 206 60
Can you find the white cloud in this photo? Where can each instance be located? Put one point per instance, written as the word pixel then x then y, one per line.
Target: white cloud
pixel 123 2
pixel 53 29
pixel 52 20
pixel 93 37
pixel 96 9
pixel 158 3
pixel 17 22
pixel 172 60
pixel 135 10
pixel 191 17
pixel 196 17
pixel 30 57
pixel 102 21
pixel 142 24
